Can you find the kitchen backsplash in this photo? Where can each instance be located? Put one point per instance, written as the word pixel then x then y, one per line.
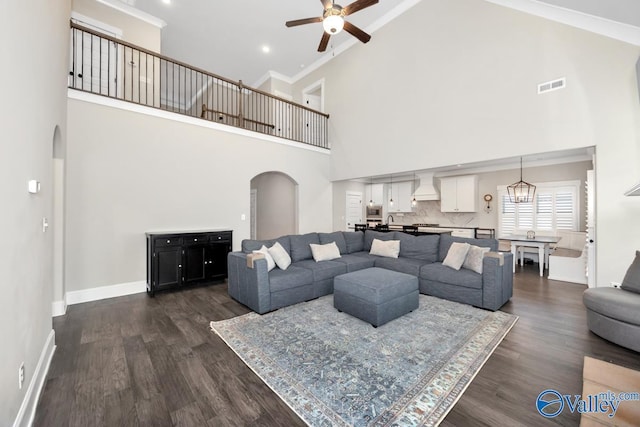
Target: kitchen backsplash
pixel 428 212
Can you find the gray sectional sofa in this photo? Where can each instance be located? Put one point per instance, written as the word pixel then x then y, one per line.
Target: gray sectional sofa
pixel 251 284
pixel 614 313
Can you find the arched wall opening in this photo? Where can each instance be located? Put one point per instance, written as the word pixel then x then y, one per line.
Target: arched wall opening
pixel 274 210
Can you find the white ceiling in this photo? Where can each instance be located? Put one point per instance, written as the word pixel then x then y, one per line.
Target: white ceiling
pixel 226 37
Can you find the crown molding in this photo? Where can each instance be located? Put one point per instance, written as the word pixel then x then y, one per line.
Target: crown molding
pixel 595 24
pixel 606 27
pixel 136 13
pixel 272 75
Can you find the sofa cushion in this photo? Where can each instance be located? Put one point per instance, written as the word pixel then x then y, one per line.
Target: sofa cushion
pixel 337 237
pixel 456 255
pixel 403 265
pixel 324 269
pixel 446 241
pixel 418 247
pixel 325 252
pixel 614 303
pixel 355 263
pixel 293 277
pixel 441 273
pixel 631 281
pixel 474 259
pixel 354 241
pixel 389 248
pixel 300 249
pixel 280 256
pixel 369 235
pixel 249 246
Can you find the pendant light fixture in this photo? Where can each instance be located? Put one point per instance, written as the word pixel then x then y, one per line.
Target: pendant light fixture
pixel 521 191
pixel 414 202
pixel 391 198
pixel 371 187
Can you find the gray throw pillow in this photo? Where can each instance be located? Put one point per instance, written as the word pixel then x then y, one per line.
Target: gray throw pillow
pixel 631 281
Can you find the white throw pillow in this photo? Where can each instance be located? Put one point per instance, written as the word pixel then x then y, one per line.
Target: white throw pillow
pixel 474 258
pixel 325 252
pixel 270 262
pixel 456 255
pixel 280 256
pixel 385 248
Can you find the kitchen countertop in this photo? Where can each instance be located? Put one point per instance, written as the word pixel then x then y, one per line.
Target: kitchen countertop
pixel 449 227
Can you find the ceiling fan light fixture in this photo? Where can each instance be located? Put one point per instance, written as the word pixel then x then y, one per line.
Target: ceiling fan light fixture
pixel 333 24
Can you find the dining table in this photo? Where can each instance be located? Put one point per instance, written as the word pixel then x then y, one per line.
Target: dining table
pixel 541 242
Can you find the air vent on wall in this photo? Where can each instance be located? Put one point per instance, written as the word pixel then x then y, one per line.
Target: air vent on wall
pixel 552 85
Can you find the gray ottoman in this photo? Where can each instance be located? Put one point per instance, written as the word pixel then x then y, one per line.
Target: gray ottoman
pixel 375 295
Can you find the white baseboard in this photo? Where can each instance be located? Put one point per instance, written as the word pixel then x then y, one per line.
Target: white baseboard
pixel 104 292
pixel 27 410
pixel 58 308
pixel 579 280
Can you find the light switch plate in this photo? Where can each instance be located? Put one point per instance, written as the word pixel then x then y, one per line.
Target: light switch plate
pixel 34 186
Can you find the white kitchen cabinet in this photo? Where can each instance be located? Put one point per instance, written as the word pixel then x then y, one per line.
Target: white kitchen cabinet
pixel 402 194
pixel 374 192
pixel 459 194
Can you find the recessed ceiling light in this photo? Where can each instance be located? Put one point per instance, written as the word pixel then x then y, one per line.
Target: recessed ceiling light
pixel 266 49
pixel 166 1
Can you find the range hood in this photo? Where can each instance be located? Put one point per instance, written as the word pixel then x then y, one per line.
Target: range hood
pixel 426 190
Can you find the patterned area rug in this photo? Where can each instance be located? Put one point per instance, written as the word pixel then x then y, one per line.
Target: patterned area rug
pixel 335 370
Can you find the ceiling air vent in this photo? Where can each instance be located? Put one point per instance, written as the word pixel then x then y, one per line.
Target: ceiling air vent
pixel 552 85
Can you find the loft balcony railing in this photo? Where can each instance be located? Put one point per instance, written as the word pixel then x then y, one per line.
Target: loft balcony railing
pixel 104 65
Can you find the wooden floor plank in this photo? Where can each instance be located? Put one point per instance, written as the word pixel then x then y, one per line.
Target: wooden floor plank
pixel 137 360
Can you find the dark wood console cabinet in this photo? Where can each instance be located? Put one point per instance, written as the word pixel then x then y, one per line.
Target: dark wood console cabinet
pixel 178 259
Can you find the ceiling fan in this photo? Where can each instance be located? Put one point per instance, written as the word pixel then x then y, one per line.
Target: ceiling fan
pixel 333 21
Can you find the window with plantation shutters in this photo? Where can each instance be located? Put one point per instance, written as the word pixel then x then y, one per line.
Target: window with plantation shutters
pixel 555 207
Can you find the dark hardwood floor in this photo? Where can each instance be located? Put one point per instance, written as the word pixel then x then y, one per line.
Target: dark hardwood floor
pixel 137 360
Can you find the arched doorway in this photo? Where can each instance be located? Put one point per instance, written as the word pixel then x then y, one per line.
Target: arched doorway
pixel 274 210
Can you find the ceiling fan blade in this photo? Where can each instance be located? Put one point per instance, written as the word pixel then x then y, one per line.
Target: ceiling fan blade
pixel 358 5
pixel 327 3
pixel 356 32
pixel 303 21
pixel 324 41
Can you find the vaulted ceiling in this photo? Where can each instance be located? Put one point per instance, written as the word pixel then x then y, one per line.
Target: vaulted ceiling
pixel 228 37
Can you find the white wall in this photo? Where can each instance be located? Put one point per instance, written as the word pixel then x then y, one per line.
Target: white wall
pixel 455 81
pixel 128 173
pixel 33 80
pixel 276 205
